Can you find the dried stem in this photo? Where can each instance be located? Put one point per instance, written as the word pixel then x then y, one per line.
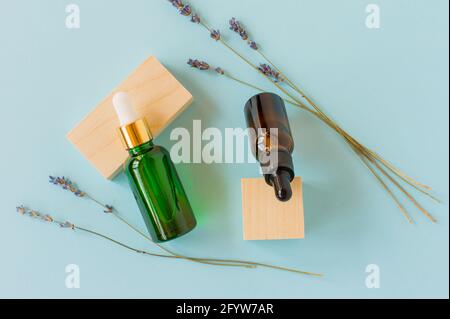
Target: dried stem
pixel 407 194
pixel 248 264
pixel 386 188
pixel 199 260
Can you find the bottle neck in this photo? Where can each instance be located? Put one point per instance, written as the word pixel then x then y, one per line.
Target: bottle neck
pixel 135 134
pixel 141 149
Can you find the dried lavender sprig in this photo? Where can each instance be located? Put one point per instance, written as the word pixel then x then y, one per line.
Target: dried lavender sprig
pixel 68 225
pixel 404 177
pixel 321 115
pixel 356 147
pixel 47 218
pixel 207 261
pixel 215 34
pixel 200 65
pixel 67 184
pixel 237 27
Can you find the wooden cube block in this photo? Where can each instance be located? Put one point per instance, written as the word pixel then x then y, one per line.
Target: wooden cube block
pixel 157 95
pixel 265 217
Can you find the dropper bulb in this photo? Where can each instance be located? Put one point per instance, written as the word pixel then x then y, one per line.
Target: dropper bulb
pixel 124 108
pixel 282 186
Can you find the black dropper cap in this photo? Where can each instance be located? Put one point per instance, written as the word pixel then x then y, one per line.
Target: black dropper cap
pixel 281 182
pixel 264 112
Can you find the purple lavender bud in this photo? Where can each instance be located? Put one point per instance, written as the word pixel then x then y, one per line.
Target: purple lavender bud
pixel 235 26
pixel 48 219
pixel 265 69
pixel 243 35
pixel 186 10
pixel 34 214
pixel 220 71
pixel 268 71
pixel 21 210
pixel 253 45
pixel 202 66
pixel 215 34
pixel 67 225
pixel 195 18
pixel 66 184
pixel 108 209
pixel 177 3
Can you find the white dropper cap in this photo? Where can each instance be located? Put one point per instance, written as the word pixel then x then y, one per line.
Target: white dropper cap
pixel 125 109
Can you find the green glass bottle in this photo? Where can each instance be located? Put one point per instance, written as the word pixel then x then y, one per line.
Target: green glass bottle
pixel 153 178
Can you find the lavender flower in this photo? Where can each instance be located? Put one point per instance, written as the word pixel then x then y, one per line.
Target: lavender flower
pixel 186 10
pixel 48 219
pixel 265 69
pixel 215 34
pixel 67 184
pixel 220 71
pixel 108 209
pixel 67 225
pixel 268 71
pixel 201 65
pixel 21 210
pixel 34 214
pixel 253 45
pixel 177 3
pixel 195 18
pixel 235 26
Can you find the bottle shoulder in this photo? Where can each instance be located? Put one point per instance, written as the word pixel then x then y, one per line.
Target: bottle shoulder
pixel 156 153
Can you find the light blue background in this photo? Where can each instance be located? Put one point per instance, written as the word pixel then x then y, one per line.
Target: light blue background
pixel 388 87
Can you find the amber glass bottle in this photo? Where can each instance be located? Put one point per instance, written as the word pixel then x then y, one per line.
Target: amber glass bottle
pixel 272 141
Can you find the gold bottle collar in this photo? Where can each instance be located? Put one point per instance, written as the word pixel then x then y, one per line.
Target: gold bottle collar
pixel 135 134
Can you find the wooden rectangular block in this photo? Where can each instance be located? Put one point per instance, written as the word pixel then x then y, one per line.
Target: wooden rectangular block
pixel 157 95
pixel 266 218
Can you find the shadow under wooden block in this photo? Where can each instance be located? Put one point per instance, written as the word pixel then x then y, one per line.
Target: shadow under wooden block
pixel 266 218
pixel 157 96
